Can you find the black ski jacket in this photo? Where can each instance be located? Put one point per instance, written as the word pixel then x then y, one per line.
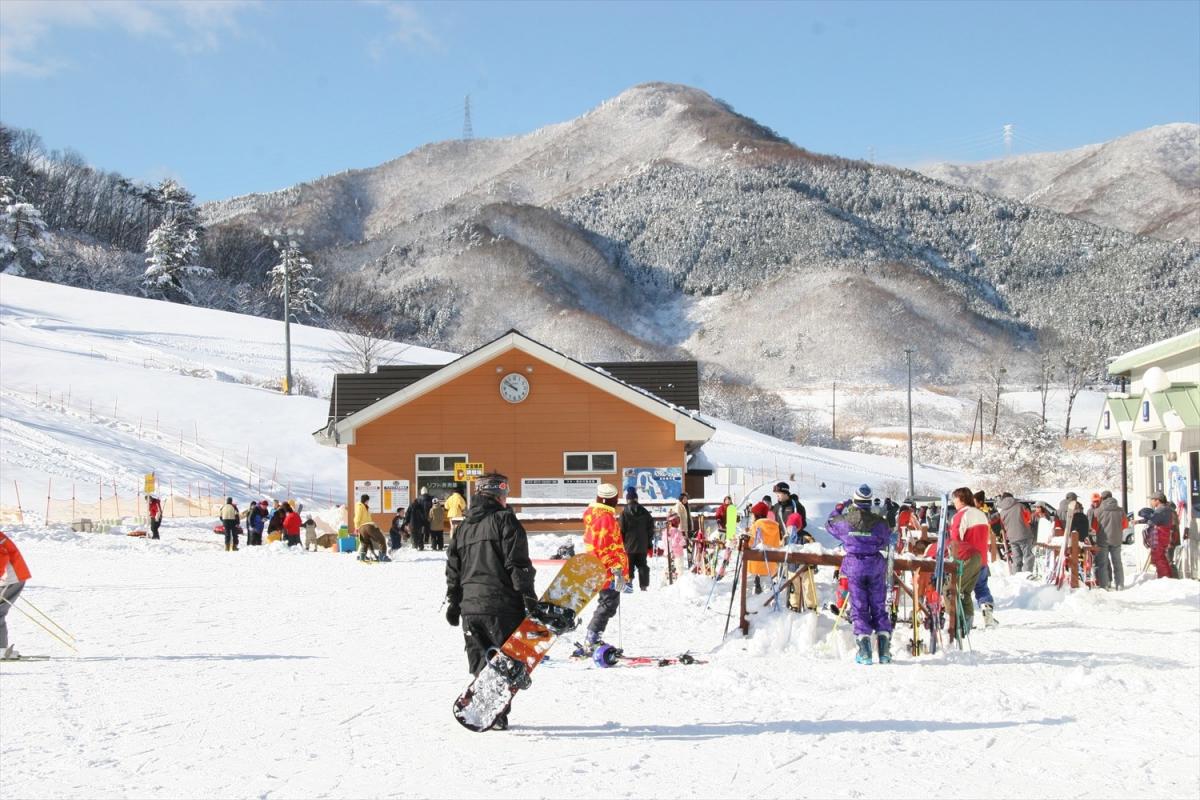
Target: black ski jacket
pixel 785 509
pixel 488 570
pixel 637 529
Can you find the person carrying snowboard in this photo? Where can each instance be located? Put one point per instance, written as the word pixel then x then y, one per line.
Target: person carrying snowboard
pixel 13 574
pixel 489 577
pixel 602 536
pixel 864 533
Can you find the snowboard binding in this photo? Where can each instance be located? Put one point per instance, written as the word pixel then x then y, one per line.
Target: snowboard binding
pixel 513 671
pixel 558 619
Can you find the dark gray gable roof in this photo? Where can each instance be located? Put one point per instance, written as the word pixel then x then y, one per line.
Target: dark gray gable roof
pixel 675 382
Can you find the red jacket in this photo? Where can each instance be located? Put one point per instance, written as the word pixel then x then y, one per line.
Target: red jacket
pixel 291 523
pixel 602 536
pixel 12 565
pixel 969 533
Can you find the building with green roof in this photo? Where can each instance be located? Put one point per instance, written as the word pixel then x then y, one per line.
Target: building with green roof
pixel 1159 418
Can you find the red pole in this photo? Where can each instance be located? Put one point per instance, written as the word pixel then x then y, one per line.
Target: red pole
pixel 171 489
pixel 100 510
pixel 116 499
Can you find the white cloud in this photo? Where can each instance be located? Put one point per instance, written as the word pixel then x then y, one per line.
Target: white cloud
pixel 191 26
pixel 407 28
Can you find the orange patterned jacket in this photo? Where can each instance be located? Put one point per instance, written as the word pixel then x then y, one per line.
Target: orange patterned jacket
pixel 602 536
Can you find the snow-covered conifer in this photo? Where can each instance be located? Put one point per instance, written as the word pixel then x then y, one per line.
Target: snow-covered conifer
pixel 21 227
pixel 298 271
pixel 172 251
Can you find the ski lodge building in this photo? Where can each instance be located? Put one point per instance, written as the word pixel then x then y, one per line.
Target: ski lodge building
pixel 555 426
pixel 1159 415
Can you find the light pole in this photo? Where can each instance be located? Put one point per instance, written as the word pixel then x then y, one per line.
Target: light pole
pixel 912 489
pixel 287 253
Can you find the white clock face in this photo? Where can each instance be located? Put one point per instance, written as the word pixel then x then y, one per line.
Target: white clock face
pixel 514 387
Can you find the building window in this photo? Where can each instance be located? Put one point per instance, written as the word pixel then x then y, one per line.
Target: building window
pixel 435 472
pixel 576 463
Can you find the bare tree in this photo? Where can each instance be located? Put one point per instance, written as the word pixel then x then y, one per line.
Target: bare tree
pixel 996 375
pixel 1080 362
pixel 363 345
pixel 1046 374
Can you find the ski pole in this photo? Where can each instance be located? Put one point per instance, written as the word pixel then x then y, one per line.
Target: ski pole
pixel 48 618
pixel 40 624
pixel 737 571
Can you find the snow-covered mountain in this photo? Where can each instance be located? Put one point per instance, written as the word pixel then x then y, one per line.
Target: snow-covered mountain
pixel 662 223
pixel 1146 183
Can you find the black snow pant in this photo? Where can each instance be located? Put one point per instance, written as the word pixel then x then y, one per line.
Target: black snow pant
pixel 291 539
pixel 483 633
pixel 231 536
pixel 418 537
pixel 154 526
pixel 637 563
pixel 437 539
pixel 395 540
pixel 9 593
pixel 606 608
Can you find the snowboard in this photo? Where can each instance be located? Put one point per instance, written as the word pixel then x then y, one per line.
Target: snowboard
pixel 507 671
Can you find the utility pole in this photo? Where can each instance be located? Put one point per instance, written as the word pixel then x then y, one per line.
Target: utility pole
pixel 1008 139
pixel 912 488
pixel 835 410
pixel 285 242
pixel 981 418
pixel 287 328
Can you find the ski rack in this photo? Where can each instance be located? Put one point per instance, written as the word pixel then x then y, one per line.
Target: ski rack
pixel 900 564
pixel 1075 552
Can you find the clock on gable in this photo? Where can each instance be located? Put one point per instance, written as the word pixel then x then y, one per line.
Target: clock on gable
pixel 514 387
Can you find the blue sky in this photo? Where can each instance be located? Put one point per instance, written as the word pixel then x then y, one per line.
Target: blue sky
pixel 234 97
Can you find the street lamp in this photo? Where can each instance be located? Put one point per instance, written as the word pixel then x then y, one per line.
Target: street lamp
pixel 286 255
pixel 912 489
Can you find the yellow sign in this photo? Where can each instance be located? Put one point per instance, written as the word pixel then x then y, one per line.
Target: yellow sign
pixel 468 470
pixel 149 483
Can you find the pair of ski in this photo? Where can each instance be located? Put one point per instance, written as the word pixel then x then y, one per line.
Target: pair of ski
pixel 608 656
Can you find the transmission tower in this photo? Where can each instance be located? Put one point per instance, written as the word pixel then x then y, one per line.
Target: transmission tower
pixel 468 133
pixel 1008 137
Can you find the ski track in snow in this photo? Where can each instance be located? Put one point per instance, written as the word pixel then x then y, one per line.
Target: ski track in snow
pixel 280 673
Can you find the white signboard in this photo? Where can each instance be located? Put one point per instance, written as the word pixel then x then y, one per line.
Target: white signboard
pixel 374 492
pixel 396 494
pixel 555 488
pixel 730 476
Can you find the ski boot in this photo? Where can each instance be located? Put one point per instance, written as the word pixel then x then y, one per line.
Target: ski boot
pixel 590 644
pixel 501 723
pixel 864 650
pixel 10 654
pixel 989 619
pixel 884 641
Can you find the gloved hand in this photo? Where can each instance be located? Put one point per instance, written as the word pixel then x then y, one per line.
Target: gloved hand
pixel 531 603
pixel 452 614
pixel 618 580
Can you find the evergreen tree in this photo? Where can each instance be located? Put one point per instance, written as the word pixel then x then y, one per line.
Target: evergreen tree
pixel 172 249
pixel 298 270
pixel 21 227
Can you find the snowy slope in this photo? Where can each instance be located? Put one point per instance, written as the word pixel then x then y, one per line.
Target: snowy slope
pixel 1147 182
pixel 102 387
pixel 263 674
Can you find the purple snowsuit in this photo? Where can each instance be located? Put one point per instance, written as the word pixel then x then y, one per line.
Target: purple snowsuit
pixel 864 534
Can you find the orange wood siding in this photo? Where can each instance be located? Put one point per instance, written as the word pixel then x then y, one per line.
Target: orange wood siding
pixel 522 440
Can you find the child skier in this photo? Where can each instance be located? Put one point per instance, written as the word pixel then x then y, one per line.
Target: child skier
pixel 676 544
pixel 864 534
pixel 764 533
